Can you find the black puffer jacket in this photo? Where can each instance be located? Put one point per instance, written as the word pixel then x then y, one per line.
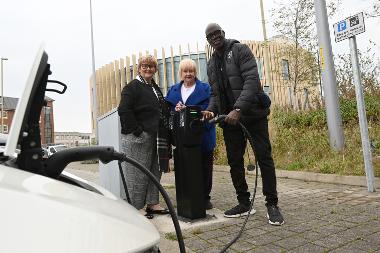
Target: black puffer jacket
pixel 241 70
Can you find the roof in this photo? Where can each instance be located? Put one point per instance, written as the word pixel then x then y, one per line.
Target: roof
pixel 10 103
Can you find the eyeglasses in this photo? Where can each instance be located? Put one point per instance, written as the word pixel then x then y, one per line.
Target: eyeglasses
pixel 146 66
pixel 213 35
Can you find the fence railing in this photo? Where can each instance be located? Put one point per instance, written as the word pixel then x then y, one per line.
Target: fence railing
pixel 111 78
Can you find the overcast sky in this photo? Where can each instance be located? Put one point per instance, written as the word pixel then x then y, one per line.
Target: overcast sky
pixel 121 28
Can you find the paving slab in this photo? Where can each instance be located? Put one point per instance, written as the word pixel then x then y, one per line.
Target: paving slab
pixel 319 217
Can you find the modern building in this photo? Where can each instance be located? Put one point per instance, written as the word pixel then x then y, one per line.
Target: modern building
pixel 46 118
pixel 278 81
pixel 73 139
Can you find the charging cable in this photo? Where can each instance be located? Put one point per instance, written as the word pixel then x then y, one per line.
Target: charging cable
pixel 121 157
pixel 55 164
pixel 219 119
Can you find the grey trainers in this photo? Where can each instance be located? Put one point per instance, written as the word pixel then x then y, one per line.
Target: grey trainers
pixel 274 215
pixel 238 211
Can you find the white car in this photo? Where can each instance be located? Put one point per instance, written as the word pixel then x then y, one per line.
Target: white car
pixel 45 212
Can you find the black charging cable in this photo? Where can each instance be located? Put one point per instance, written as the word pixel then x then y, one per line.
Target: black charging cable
pixel 121 157
pixel 219 119
pixel 55 164
pixel 124 182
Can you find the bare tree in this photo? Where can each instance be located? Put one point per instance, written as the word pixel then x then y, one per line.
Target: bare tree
pixel 369 69
pixel 295 20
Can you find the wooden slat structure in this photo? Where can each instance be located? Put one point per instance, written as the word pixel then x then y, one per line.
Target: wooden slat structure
pixel 112 77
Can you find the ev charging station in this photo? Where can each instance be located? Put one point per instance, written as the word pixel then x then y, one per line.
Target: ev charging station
pixel 109 135
pixel 187 131
pixel 187 134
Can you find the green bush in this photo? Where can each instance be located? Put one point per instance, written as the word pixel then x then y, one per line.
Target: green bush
pixel 300 139
pixel 317 118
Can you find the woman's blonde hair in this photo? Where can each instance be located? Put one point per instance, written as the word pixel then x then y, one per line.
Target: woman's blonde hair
pixel 147 59
pixel 187 63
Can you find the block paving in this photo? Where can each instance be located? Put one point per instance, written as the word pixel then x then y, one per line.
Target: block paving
pixel 319 217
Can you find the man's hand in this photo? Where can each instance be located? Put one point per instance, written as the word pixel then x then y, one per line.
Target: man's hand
pixel 207 115
pixel 233 117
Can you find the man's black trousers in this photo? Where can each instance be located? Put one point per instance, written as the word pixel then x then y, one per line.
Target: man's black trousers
pixel 235 146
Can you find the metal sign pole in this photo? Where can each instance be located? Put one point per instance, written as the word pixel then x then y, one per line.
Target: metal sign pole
pixel 362 116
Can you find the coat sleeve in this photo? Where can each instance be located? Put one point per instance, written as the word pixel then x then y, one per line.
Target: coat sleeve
pixel 205 102
pixel 214 97
pixel 251 81
pixel 126 110
pixel 169 100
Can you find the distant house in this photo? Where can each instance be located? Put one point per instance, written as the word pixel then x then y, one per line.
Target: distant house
pixel 73 139
pixel 46 118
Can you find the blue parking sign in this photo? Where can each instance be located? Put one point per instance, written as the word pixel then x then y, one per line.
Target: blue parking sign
pixel 342 26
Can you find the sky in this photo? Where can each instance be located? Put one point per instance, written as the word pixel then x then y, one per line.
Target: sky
pixel 122 28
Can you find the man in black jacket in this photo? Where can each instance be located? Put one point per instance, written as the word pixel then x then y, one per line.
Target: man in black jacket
pixel 237 92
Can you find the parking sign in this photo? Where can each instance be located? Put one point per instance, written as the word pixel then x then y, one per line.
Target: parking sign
pixel 342 26
pixel 349 27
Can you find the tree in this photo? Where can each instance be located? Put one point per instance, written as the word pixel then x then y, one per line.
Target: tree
pixel 370 73
pixel 295 20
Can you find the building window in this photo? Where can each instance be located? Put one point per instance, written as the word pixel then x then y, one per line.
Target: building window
pixel 5 114
pixel 5 129
pixel 48 125
pixel 285 69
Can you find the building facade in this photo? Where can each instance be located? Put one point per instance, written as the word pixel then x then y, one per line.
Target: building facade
pixel 46 118
pixel 277 81
pixel 73 139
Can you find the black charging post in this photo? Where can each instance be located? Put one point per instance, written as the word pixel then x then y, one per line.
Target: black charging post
pixel 188 130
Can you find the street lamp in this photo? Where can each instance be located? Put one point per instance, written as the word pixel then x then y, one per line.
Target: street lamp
pixel 2 95
pixel 266 54
pixel 94 93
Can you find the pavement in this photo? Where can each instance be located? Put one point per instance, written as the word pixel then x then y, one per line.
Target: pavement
pixel 323 213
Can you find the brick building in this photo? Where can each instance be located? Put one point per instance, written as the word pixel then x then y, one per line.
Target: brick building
pixel 46 118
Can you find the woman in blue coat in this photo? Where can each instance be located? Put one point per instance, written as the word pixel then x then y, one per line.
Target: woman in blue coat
pixel 191 91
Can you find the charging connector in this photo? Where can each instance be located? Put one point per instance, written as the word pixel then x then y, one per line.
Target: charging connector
pixel 55 164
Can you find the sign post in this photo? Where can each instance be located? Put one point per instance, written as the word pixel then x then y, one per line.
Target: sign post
pixel 344 29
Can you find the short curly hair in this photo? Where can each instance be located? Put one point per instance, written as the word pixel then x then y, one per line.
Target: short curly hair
pixel 147 59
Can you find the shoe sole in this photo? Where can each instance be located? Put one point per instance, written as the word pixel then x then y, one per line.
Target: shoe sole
pixel 253 211
pixel 275 223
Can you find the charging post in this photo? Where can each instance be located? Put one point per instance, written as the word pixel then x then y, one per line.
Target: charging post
pixel 188 131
